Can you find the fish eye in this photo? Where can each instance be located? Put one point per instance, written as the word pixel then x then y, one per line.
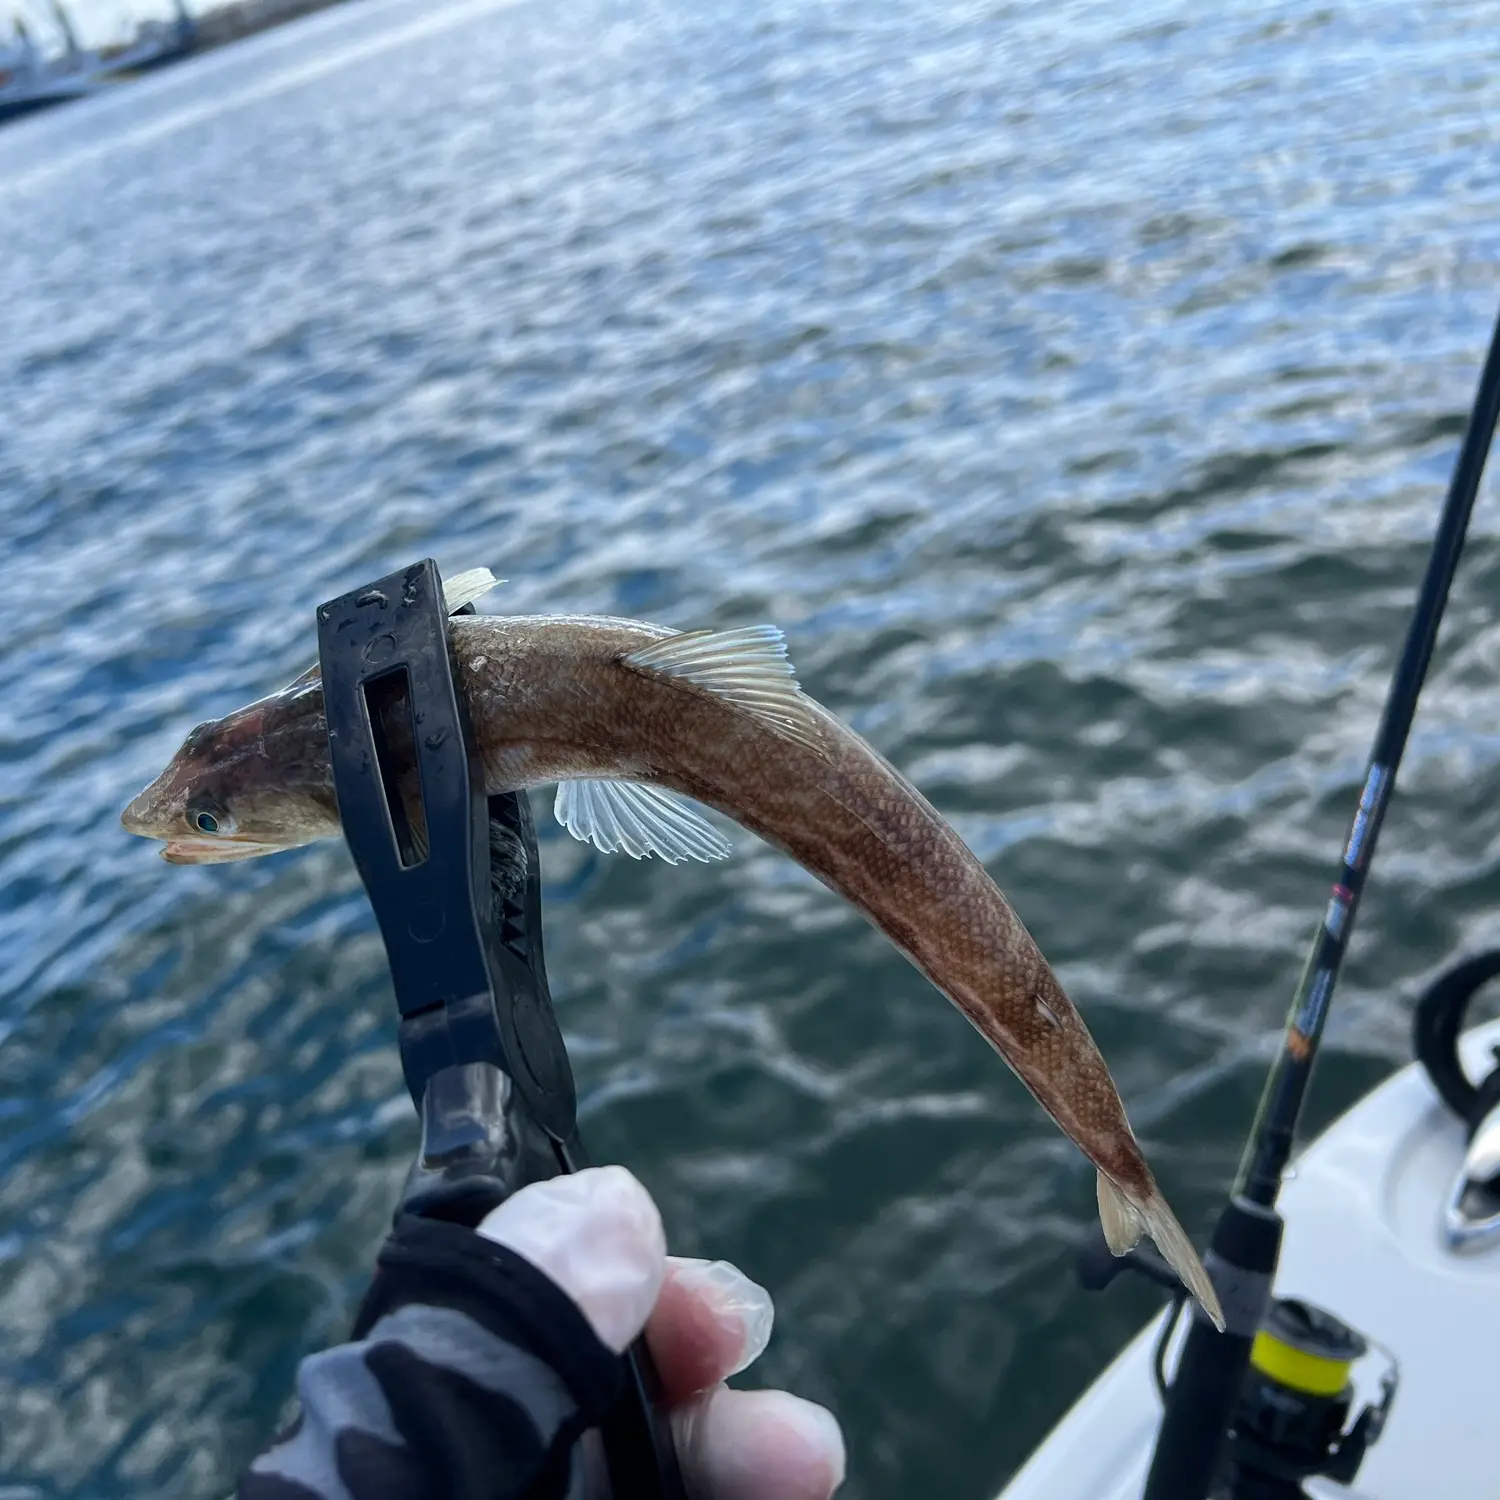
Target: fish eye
pixel 212 819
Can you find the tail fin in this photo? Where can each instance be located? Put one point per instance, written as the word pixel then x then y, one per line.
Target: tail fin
pixel 1123 1223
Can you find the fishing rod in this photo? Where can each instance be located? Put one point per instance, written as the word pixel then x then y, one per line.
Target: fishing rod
pixel 1201 1402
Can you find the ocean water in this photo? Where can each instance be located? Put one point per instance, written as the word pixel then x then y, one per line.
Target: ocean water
pixel 1076 384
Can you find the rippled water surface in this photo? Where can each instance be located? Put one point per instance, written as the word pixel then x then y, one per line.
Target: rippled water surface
pixel 1075 384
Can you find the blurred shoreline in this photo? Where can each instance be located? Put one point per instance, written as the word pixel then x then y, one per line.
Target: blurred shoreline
pixel 35 78
pixel 241 18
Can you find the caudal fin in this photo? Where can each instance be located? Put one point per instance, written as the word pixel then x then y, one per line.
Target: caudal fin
pixel 1123 1223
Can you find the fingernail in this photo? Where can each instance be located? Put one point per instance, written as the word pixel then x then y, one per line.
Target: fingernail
pixel 734 1296
pixel 820 1430
pixel 749 1445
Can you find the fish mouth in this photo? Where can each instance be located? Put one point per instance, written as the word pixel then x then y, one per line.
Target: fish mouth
pixel 213 851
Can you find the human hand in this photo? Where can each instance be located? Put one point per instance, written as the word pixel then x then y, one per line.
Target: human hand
pixel 598 1235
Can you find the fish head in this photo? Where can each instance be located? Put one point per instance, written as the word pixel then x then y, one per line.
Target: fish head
pixel 253 783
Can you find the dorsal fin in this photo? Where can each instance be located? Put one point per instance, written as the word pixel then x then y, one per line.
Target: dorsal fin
pixel 628 817
pixel 747 667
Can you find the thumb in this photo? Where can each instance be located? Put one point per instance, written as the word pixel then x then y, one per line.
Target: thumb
pixel 599 1236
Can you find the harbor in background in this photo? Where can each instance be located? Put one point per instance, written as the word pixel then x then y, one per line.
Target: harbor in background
pixel 34 77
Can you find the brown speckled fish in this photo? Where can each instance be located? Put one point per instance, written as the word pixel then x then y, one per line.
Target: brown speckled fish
pixel 631 718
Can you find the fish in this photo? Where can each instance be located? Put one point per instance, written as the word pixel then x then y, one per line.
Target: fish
pixel 636 723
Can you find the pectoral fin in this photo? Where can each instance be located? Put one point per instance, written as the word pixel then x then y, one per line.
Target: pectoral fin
pixel 630 818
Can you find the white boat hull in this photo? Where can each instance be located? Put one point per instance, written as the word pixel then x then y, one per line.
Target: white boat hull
pixel 1364 1238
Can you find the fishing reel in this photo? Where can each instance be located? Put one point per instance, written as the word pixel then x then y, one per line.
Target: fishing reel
pixel 1291 1422
pixel 1295 1404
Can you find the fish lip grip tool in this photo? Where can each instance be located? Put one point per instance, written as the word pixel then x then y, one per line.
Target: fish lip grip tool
pixel 454 880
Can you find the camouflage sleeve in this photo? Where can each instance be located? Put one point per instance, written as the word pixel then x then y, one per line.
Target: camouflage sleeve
pixel 470 1374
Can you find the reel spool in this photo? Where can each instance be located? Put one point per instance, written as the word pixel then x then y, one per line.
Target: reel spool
pixel 1295 1403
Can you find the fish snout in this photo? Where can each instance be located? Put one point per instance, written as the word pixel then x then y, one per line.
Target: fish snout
pixel 139 816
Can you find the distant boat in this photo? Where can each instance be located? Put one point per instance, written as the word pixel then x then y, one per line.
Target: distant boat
pixel 23 96
pixel 30 81
pixel 154 44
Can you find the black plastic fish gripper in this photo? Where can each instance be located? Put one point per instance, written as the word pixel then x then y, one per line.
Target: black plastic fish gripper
pixel 454 880
pixel 420 837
